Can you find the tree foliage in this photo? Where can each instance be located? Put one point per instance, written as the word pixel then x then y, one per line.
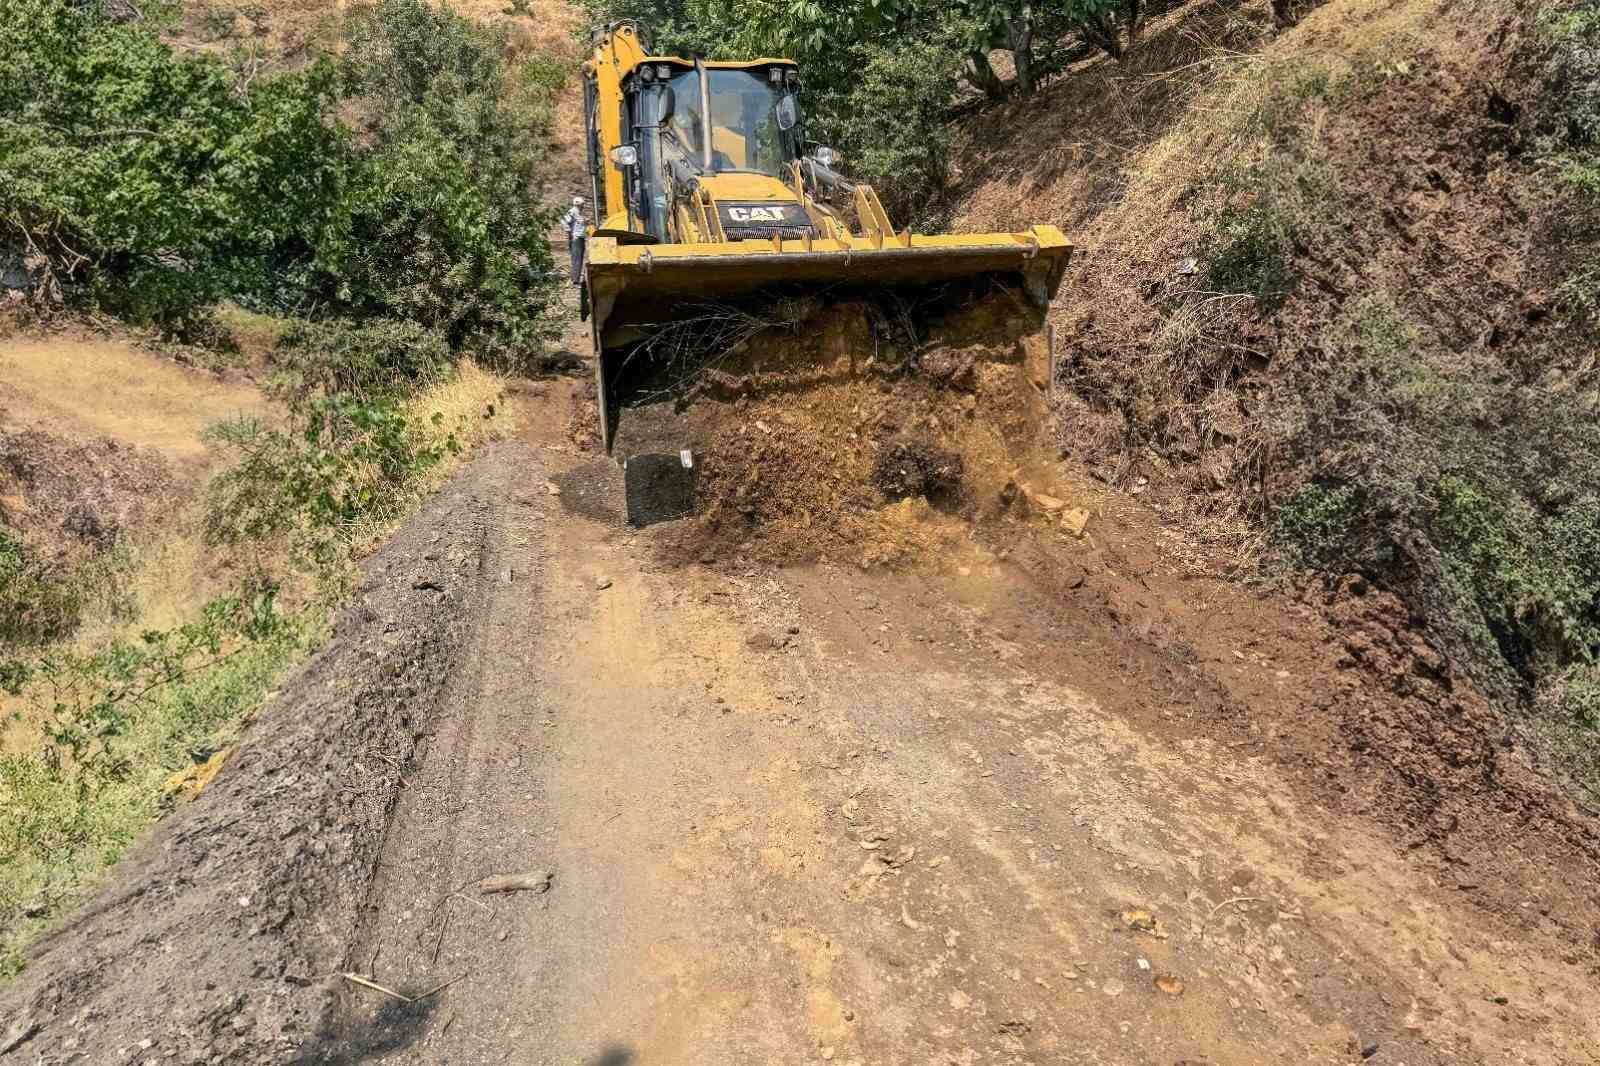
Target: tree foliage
pixel 882 75
pixel 148 174
pixel 444 226
pixel 154 182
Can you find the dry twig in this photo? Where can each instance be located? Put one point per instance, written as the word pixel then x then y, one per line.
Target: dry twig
pixel 441 986
pixel 362 981
pixel 530 881
pixel 1235 899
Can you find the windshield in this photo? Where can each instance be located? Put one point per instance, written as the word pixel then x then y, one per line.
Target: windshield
pixel 744 122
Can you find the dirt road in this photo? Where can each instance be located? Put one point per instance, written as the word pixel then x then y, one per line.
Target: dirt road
pixel 992 806
pixel 824 815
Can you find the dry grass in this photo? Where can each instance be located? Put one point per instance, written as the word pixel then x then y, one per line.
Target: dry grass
pixel 256 335
pixel 261 36
pixel 471 407
pixel 75 386
pixel 1134 160
pixel 87 389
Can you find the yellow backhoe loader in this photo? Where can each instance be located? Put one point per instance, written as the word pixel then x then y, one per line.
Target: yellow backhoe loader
pixel 706 189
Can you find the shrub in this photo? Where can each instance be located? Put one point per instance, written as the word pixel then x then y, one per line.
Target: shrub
pixel 378 357
pixel 1569 720
pixel 1570 105
pixel 1314 527
pixel 35 608
pixel 1567 140
pixel 144 174
pixel 445 228
pixel 1266 214
pixel 344 459
pixel 155 183
pixel 1263 210
pixel 1475 497
pixel 218 23
pixel 112 725
pixel 890 125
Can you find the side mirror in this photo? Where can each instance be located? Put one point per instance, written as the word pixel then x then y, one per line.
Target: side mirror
pixel 669 104
pixel 624 155
pixel 788 113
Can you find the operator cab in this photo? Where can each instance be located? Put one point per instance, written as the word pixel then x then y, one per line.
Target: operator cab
pixel 731 130
pixel 746 135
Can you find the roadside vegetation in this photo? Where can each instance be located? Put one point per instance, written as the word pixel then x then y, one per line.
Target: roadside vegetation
pixel 1288 335
pixel 1471 486
pixel 376 213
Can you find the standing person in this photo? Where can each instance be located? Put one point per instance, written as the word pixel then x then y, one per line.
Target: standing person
pixel 575 226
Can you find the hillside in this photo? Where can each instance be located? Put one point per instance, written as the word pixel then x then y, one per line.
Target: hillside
pixel 1227 697
pixel 1331 314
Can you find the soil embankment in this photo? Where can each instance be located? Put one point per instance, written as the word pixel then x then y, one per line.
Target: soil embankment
pixel 219 938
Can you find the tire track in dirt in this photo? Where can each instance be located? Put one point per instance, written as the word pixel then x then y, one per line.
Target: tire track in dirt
pixel 794 815
pixel 424 925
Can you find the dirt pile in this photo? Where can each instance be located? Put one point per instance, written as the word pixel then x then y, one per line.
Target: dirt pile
pixel 71 497
pixel 848 441
pixel 248 897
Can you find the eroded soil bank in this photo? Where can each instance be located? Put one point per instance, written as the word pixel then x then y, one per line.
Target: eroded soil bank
pixel 217 939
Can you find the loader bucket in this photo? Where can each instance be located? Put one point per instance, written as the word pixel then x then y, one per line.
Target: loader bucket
pixel 634 287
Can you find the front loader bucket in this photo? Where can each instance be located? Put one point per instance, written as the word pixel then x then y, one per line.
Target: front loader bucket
pixel 633 287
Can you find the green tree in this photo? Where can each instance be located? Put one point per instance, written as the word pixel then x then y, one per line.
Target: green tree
pixel 445 224
pixel 399 181
pixel 149 175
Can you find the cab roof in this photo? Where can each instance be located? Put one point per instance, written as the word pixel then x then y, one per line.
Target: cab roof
pixel 718 64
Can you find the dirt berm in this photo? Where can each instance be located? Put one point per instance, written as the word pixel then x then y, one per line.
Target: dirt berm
pixel 236 913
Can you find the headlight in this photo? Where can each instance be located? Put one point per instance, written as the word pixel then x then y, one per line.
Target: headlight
pixel 663 72
pixel 647 74
pixel 624 155
pixel 823 155
pixel 775 75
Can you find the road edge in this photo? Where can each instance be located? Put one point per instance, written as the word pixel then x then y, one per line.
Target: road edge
pixel 220 937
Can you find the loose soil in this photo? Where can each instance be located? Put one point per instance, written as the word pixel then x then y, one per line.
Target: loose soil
pixel 805 442
pixel 967 809
pixel 66 498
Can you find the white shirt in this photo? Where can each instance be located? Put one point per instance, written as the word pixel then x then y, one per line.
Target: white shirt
pixel 573 221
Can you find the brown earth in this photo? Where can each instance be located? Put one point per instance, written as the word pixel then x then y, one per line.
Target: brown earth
pixel 795 436
pixel 945 812
pixel 1422 128
pixel 1020 797
pixel 69 497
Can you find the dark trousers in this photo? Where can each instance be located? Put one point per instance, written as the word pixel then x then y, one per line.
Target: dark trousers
pixel 575 248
